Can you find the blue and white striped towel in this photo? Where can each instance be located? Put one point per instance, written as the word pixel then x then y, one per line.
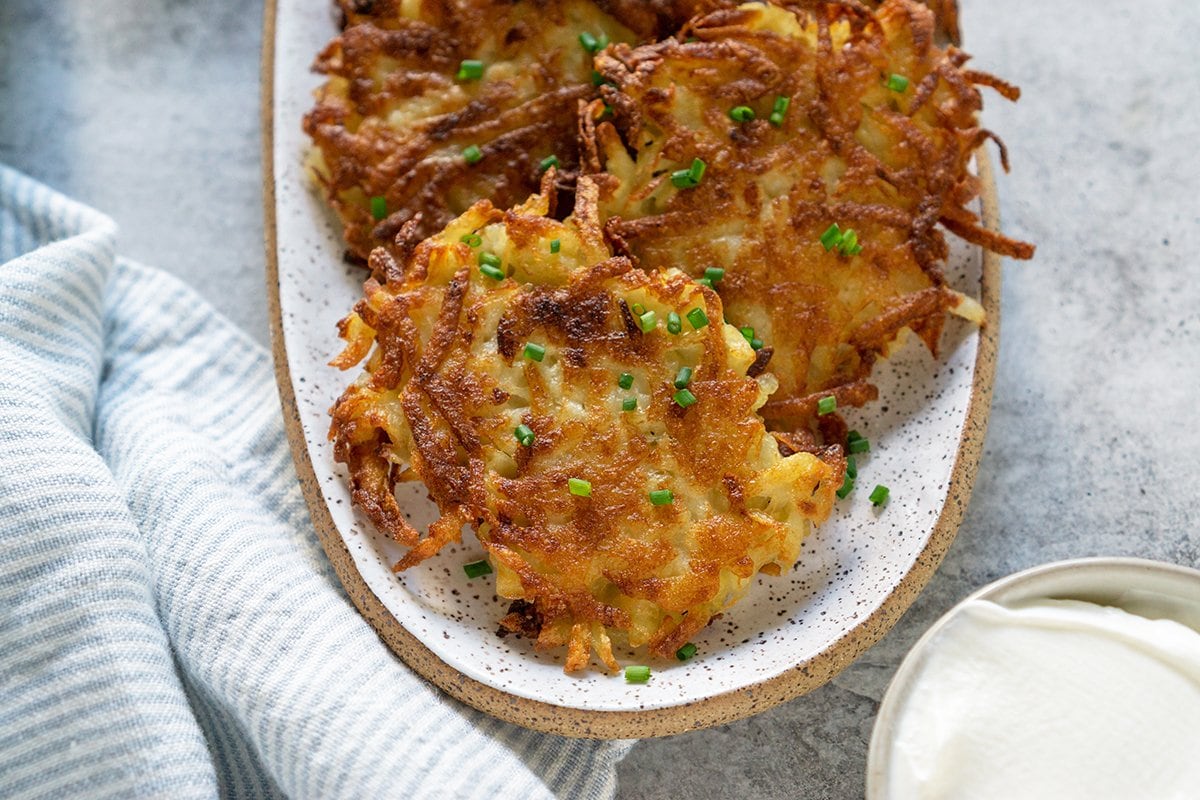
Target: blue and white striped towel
pixel 169 626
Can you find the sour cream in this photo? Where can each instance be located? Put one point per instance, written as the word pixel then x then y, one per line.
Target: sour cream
pixel 1050 699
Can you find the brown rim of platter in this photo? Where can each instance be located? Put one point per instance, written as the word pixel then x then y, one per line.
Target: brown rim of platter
pixel 718 709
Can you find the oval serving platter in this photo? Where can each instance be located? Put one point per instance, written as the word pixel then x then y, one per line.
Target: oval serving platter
pixel 857 573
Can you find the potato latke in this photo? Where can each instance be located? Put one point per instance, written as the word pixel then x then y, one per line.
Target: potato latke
pixel 800 120
pixel 494 373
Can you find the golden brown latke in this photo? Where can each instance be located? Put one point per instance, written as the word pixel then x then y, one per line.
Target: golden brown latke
pixel 457 360
pixel 888 164
pixel 394 119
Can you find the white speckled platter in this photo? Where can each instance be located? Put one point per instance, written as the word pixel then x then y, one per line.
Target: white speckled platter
pixel 790 634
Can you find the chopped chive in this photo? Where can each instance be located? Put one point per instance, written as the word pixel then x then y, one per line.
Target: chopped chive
pixel 757 344
pixel 489 259
pixel 857 446
pixel 674 323
pixel 846 488
pixel 689 178
pixel 879 495
pixel 629 404
pixel 853 435
pixel 779 111
pixel 472 154
pixel 555 245
pixel 638 309
pixel 897 83
pixel 683 377
pixel 637 674
pixel 827 405
pixel 495 273
pixel 697 317
pixel 379 207
pixel 741 113
pixel 548 162
pixel 849 245
pixel 714 274
pixel 662 497
pixel 593 44
pixel 470 70
pixel 747 333
pixel 524 435
pixel 579 487
pixel 472 239
pixel 832 237
pixel 647 321
pixel 851 467
pixel 534 351
pixel 477 569
pixel 684 398
pixel 686 652
pixel 626 380
pixel 705 282
pixel 597 78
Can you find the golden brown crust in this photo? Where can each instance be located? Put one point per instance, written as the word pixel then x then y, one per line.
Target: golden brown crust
pixel 891 165
pixel 448 382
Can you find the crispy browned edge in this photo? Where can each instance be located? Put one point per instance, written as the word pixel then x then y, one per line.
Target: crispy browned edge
pixel 716 710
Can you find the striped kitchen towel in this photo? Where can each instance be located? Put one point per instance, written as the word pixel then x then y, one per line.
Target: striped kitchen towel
pixel 169 626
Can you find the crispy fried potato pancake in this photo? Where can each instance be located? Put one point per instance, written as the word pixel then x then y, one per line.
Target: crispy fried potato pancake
pixel 889 163
pixel 395 120
pixel 494 364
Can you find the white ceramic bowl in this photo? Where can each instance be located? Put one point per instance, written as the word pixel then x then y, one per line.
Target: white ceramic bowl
pixel 1151 589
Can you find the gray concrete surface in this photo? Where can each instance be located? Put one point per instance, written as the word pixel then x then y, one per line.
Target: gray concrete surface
pixel 148 110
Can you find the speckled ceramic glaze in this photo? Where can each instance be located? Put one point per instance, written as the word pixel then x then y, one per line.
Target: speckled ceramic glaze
pixel 857 574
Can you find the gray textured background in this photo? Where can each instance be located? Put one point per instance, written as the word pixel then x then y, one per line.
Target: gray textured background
pixel 148 110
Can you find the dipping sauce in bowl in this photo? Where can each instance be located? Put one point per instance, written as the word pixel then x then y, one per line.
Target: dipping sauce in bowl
pixel 1079 679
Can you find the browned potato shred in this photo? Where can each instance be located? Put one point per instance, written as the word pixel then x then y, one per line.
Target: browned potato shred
pixel 475 332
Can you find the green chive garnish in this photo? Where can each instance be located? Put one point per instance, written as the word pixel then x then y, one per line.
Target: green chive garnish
pixel 697 317
pixel 897 83
pixel 832 237
pixel 548 162
pixel 827 405
pixel 472 239
pixel 472 154
pixel 686 652
pixel 625 381
pixel 741 113
pixel 684 398
pixel 683 377
pixel 470 71
pixel 477 568
pixel 849 245
pixel 524 435
pixel 555 245
pixel 534 351
pixel 593 44
pixel 859 445
pixel 705 282
pixel 747 333
pixel 674 323
pixel 779 110
pixel 495 273
pixel 662 497
pixel 647 321
pixel 378 207
pixel 637 674
pixel 846 489
pixel 489 259
pixel 689 178
pixel 629 404
pixel 757 344
pixel 851 467
pixel 579 487
pixel 879 495
pixel 714 274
